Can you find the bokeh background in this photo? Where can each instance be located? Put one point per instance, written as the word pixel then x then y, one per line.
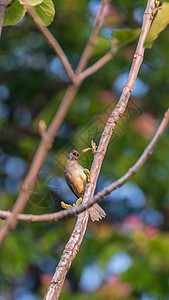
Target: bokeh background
pixel 125 256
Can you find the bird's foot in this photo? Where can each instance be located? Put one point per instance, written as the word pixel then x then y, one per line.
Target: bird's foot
pixel 67 206
pixel 79 201
pixel 87 173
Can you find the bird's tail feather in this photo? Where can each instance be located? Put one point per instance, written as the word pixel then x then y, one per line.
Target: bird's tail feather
pixel 96 213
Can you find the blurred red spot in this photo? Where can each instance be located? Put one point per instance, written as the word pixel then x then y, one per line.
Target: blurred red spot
pixel 145 125
pixel 45 280
pixel 112 16
pixel 132 223
pixel 115 287
pixel 151 232
pixel 129 52
pixel 106 96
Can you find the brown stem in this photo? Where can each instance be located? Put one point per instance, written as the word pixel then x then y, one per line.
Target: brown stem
pixel 97 66
pixel 92 40
pixel 3 11
pixel 122 103
pixel 40 155
pixel 52 42
pixel 76 238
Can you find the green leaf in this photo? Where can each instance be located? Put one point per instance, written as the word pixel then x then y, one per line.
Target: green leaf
pixel 45 11
pixel 160 22
pixel 103 44
pixel 14 14
pixel 30 2
pixel 126 35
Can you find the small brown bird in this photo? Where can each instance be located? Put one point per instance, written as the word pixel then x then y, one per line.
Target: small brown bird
pixel 76 177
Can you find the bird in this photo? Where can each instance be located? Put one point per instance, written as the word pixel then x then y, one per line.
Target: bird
pixel 76 178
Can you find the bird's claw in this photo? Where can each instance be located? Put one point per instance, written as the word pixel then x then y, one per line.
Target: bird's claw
pixel 67 206
pixel 79 201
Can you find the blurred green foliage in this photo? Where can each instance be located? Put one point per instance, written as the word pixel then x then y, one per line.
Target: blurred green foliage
pixel 33 83
pixel 160 22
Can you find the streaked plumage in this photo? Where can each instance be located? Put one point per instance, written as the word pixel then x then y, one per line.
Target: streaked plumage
pixel 76 180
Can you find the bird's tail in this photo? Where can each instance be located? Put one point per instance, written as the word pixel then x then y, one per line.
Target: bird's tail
pixel 96 213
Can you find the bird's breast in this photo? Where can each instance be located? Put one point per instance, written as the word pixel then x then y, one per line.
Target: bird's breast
pixel 75 178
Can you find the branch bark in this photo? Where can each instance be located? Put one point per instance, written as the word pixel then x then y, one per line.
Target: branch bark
pixel 102 194
pixel 98 65
pixel 76 238
pixel 92 40
pixel 47 140
pixel 3 11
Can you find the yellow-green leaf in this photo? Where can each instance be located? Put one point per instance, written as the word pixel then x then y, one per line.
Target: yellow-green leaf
pixel 160 22
pixel 126 35
pixel 14 13
pixel 45 11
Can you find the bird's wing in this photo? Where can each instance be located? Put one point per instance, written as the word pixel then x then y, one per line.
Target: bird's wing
pixel 75 188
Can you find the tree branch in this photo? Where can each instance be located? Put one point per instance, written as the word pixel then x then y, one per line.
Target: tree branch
pixel 92 40
pixel 102 194
pixel 3 11
pixel 98 65
pixel 44 147
pixel 52 42
pixel 40 155
pixel 76 238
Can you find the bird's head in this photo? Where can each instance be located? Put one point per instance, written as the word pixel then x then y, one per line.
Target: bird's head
pixel 73 155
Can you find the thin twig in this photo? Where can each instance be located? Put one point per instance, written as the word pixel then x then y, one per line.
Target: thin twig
pixel 97 66
pixel 76 238
pixel 3 11
pixel 52 41
pixel 102 194
pixel 11 2
pixel 40 155
pixel 92 40
pixel 42 151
